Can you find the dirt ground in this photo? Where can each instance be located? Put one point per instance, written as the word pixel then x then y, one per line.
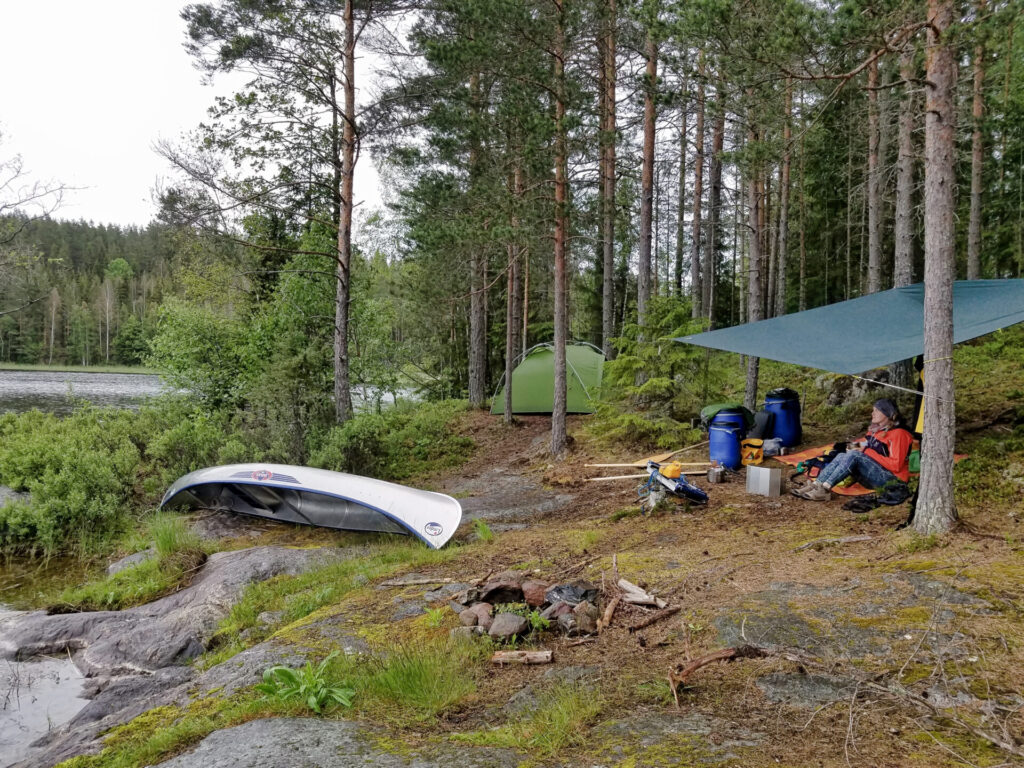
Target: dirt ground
pixel 887 649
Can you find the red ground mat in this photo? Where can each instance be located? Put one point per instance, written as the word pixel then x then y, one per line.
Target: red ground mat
pixel 851 490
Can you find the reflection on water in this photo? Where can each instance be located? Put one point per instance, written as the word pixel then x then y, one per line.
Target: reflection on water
pixel 35 697
pixel 58 391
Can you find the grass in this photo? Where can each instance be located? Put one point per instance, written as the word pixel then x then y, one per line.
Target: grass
pixel 68 368
pixel 483 530
pixel 295 597
pixel 178 554
pixel 407 684
pixel 561 719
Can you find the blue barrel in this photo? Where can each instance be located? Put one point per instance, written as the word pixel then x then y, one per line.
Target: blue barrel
pixel 724 437
pixel 784 404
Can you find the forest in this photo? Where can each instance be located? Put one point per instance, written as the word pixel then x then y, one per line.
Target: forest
pixel 601 171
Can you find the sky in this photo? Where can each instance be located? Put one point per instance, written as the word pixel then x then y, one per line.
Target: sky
pixel 86 90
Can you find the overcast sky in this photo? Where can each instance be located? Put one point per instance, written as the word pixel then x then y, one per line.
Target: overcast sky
pixel 86 88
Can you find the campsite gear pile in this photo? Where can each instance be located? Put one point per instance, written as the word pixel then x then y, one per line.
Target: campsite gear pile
pixel 668 478
pixel 738 437
pixel 891 494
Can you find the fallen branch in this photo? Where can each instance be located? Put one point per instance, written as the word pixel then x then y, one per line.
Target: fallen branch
pixel 832 541
pixel 522 657
pixel 415 582
pixel 632 594
pixel 655 618
pixel 584 641
pixel 679 674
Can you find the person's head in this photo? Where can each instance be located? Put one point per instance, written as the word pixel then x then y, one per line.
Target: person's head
pixel 885 413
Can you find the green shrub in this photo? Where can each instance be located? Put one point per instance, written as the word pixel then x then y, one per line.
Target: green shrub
pixel 652 389
pixel 407 440
pixel 79 471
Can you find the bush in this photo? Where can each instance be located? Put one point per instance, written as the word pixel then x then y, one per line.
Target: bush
pixel 407 440
pixel 79 471
pixel 654 387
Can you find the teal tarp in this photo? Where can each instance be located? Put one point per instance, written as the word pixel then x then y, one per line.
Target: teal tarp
pixel 871 331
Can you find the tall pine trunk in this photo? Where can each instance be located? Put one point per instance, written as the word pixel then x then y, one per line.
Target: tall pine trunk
pixel 904 230
pixel 936 511
pixel 697 287
pixel 681 199
pixel 787 139
pixel 559 438
pixel 874 186
pixel 977 110
pixel 343 270
pixel 715 204
pixel 608 184
pixel 643 293
pixel 515 251
pixel 477 278
pixel 754 297
pixel 903 264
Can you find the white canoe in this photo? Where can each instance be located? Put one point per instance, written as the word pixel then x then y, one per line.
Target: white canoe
pixel 319 497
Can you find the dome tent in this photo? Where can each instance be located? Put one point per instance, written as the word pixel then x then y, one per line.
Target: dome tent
pixel 533 380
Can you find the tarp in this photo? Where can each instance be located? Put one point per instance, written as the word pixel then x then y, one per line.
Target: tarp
pixel 871 331
pixel 533 380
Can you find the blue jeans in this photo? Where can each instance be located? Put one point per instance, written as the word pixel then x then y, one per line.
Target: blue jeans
pixel 864 469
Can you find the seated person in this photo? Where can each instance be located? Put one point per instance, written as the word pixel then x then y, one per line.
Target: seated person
pixel 879 457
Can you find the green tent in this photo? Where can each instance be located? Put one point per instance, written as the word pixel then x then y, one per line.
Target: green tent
pixel 533 380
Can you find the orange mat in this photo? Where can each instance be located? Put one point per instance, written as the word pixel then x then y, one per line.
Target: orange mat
pixel 856 489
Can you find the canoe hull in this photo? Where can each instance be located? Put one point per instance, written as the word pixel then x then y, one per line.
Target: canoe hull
pixel 319 497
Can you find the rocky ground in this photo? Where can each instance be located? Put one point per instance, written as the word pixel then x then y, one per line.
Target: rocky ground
pixel 869 646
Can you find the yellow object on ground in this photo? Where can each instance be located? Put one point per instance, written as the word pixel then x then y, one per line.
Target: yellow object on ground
pixel 672 470
pixel 752 451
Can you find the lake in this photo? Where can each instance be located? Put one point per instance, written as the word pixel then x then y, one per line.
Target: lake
pixel 58 391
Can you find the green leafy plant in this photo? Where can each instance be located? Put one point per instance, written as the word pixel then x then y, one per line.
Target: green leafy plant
pixel 435 617
pixel 483 530
pixel 537 622
pixel 309 684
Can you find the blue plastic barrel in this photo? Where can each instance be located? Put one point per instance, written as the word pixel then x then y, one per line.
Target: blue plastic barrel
pixel 785 406
pixel 725 434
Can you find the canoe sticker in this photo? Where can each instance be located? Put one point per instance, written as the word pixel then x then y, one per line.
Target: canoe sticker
pixel 433 529
pixel 263 475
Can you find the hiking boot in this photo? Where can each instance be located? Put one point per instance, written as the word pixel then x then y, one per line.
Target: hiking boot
pixel 815 492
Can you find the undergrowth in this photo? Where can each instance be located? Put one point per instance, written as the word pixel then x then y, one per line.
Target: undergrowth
pixel 177 556
pixel 89 475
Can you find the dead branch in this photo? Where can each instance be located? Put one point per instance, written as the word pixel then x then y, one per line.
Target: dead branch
pixel 522 657
pixel 414 582
pixel 678 675
pixel 832 541
pixel 655 618
pixel 632 594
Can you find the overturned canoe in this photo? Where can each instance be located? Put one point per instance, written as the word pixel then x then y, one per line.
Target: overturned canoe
pixel 319 497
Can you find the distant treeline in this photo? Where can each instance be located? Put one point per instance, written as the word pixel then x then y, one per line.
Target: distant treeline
pixel 77 292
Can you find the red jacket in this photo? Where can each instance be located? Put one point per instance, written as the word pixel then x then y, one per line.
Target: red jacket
pixel 891 448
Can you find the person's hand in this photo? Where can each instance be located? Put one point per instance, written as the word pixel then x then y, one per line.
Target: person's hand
pixel 857 448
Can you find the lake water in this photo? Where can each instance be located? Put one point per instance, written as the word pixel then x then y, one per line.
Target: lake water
pixel 58 391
